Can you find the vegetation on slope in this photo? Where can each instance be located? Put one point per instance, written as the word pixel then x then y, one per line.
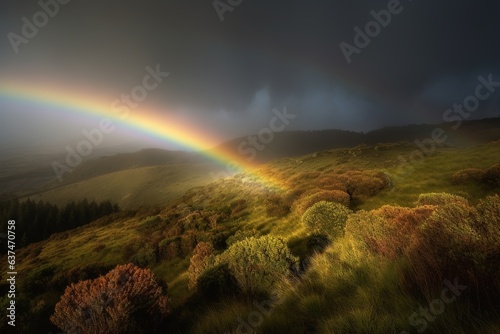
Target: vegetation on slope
pixel 371 279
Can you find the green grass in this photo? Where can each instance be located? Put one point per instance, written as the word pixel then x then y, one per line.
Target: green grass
pixel 434 174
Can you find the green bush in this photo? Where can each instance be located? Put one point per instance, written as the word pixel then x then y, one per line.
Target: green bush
pixel 150 224
pixel 489 213
pixel 440 199
pixel 241 235
pixel 145 256
pixel 326 217
pixel 259 263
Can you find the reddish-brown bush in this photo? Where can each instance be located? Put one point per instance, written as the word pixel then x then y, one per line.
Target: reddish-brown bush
pixel 401 224
pixel 362 185
pixel 128 299
pixel 459 241
pixel 387 231
pixel 277 206
pixel 468 175
pixel 492 176
pixel 330 182
pixel 304 203
pixel 199 262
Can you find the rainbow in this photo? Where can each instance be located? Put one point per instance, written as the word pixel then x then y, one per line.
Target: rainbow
pixel 150 122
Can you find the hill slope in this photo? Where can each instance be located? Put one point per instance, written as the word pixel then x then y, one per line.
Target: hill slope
pixel 228 210
pixel 132 188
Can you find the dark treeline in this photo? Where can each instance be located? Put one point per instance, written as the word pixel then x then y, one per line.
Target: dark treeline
pixel 36 221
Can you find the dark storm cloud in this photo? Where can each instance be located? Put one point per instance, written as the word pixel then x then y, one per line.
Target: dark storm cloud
pixel 285 52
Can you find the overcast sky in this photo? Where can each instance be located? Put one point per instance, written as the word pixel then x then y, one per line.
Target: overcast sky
pixel 227 75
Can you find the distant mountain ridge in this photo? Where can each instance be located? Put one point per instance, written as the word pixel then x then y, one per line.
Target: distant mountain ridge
pixel 297 143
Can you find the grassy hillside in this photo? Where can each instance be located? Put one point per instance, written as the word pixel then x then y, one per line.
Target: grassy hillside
pixel 126 161
pixel 132 188
pixel 344 289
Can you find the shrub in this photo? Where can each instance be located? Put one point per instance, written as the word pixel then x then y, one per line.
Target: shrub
pixel 326 217
pixel 188 242
pixel 37 280
pixel 145 256
pixel 362 185
pixel 217 281
pixel 440 199
pixel 122 301
pixel 337 196
pixel 492 176
pixel 200 261
pixel 368 228
pixel 489 212
pixel 169 248
pixel 388 230
pixel 152 221
pixel 150 224
pixel 489 177
pixel 459 241
pixel 79 273
pixel 241 235
pixel 468 175
pixel 330 182
pixel 259 263
pixel 277 206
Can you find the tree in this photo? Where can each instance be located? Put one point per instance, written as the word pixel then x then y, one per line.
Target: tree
pixel 128 299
